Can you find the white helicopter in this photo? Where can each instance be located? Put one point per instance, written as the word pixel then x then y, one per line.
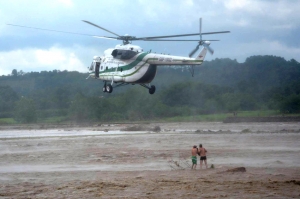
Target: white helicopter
pixel 129 64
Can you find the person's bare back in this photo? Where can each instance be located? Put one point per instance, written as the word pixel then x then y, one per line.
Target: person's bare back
pixel 194 151
pixel 202 151
pixel 202 154
pixel 194 156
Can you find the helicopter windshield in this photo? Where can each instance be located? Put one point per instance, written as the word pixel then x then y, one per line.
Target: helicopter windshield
pixel 123 54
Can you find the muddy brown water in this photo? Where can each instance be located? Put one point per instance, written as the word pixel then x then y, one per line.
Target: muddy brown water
pixel 59 157
pixel 254 144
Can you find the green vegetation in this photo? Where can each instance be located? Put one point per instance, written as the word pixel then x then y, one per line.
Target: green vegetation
pixel 261 86
pixel 25 111
pixel 198 118
pixel 221 116
pixel 7 121
pixel 50 120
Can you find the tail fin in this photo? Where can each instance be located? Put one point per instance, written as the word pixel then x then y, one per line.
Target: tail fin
pixel 202 54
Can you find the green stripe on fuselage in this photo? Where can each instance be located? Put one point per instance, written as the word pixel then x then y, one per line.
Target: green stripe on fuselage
pixel 128 66
pixel 180 60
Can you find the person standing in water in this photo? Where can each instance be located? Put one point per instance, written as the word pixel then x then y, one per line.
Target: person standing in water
pixel 202 154
pixel 194 156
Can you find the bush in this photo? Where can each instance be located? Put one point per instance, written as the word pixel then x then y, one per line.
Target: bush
pixel 25 111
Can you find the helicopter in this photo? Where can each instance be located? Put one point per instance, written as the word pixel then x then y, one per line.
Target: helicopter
pixel 128 64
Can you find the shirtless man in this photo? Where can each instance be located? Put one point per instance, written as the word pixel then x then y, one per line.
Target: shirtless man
pixel 194 156
pixel 202 154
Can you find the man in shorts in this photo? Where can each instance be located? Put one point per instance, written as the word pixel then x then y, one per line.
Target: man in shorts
pixel 202 154
pixel 194 156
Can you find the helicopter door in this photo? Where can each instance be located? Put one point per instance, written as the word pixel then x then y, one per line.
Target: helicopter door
pixel 97 69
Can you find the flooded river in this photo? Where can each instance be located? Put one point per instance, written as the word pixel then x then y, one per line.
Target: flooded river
pixel 249 145
pixel 104 161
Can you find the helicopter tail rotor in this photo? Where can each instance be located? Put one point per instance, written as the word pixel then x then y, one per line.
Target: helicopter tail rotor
pixel 204 43
pixel 194 51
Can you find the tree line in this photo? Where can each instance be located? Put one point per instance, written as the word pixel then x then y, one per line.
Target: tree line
pixel 219 86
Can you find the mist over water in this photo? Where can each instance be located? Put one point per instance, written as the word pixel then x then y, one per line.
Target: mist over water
pixel 58 133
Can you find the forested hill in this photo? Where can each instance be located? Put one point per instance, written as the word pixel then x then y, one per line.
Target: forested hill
pixel 220 85
pixel 257 71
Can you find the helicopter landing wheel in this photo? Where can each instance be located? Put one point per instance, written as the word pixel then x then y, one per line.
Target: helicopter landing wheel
pixel 104 89
pixel 109 88
pixel 152 89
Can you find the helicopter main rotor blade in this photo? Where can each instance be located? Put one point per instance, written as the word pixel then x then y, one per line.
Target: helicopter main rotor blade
pixel 209 33
pixel 104 37
pixel 183 35
pixel 49 30
pixel 158 37
pixel 177 40
pixel 200 28
pixel 126 39
pixel 100 27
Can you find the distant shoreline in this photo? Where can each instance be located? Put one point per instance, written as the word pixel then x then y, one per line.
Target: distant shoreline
pixel 119 125
pixel 191 126
pixel 262 119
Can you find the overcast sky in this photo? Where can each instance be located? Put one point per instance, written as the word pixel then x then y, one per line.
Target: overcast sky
pixel 258 27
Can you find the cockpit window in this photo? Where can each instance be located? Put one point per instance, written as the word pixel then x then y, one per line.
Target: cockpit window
pixel 123 54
